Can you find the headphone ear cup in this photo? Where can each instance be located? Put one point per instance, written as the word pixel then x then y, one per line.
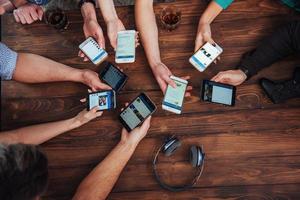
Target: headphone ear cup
pixel 196 156
pixel 171 146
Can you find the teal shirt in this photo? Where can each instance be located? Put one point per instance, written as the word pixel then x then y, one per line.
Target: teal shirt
pixel 291 3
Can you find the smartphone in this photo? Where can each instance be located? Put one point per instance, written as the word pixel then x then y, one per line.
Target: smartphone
pixel 173 99
pixel 106 100
pixel 218 93
pixel 93 51
pixel 114 77
pixel 125 52
pixel 205 56
pixel 136 112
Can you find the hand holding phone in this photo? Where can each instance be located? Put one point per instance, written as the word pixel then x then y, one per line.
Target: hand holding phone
pixel 105 100
pixel 218 93
pixel 205 56
pixel 113 76
pixel 136 112
pixel 93 51
pixel 173 99
pixel 125 52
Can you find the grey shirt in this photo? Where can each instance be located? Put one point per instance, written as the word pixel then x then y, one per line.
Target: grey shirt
pixel 8 60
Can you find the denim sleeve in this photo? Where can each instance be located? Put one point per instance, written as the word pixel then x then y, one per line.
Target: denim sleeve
pixel 39 2
pixel 8 60
pixel 224 3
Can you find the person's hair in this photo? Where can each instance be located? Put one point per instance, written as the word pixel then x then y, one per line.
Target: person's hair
pixel 23 172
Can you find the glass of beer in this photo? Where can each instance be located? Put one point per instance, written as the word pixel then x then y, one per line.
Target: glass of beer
pixel 57 19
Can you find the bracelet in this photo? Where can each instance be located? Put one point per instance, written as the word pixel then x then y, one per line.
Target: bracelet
pixel 81 2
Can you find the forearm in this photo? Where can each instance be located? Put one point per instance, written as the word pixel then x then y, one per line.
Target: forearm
pixel 37 134
pixel 108 10
pixel 146 25
pixel 285 41
pixel 31 68
pixel 88 12
pixel 98 184
pixel 210 13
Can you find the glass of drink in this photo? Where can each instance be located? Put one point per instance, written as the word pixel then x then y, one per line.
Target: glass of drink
pixel 170 18
pixel 57 19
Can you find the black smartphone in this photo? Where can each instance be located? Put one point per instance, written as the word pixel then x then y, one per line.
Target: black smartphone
pixel 106 100
pixel 218 93
pixel 114 77
pixel 137 111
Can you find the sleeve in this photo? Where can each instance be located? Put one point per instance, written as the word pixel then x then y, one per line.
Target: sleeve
pixel 224 3
pixel 285 41
pixel 38 2
pixel 8 60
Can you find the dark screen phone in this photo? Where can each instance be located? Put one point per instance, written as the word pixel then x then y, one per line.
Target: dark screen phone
pixel 136 112
pixel 114 77
pixel 106 100
pixel 218 93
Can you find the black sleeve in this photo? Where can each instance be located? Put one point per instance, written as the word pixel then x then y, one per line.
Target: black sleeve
pixel 285 41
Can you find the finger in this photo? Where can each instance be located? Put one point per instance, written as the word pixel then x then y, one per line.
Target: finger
pixel 16 17
pixel 95 109
pixel 40 12
pixel 219 78
pixel 214 78
pixel 210 40
pixel 124 131
pixel 187 94
pixel 219 58
pixel 162 84
pixel 100 39
pixel 21 17
pixel 81 54
pixel 34 14
pixel 27 17
pixel 126 104
pixel 189 88
pixel 89 91
pixel 198 43
pixel 215 61
pixel 85 59
pixel 83 100
pixel 98 114
pixel 102 86
pixel 146 124
pixel 170 82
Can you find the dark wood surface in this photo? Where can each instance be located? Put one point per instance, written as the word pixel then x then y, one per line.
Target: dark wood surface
pixel 253 149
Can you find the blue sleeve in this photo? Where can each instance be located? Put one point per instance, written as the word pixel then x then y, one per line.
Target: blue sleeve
pixel 8 60
pixel 39 2
pixel 224 3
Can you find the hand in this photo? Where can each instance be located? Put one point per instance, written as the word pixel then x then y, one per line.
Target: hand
pixel 28 13
pixel 113 27
pixel 232 77
pixel 85 116
pixel 162 75
pixel 203 35
pixel 137 134
pixel 91 28
pixel 91 79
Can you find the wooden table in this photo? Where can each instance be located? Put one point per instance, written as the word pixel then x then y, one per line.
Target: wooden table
pixel 253 149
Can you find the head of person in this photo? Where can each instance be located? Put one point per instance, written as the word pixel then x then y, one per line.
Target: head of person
pixel 23 172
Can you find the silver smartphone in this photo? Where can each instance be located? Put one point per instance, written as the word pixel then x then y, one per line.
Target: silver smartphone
pixel 93 51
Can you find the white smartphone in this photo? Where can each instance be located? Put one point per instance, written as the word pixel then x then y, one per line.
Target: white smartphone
pixel 93 51
pixel 125 52
pixel 205 56
pixel 173 99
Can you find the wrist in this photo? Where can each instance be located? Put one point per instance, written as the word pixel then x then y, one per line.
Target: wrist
pixel 155 64
pixel 128 144
pixel 74 123
pixel 88 12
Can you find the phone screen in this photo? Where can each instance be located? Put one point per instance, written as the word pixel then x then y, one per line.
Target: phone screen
pixel 92 50
pixel 218 94
pixel 206 55
pixel 137 112
pixel 114 77
pixel 105 100
pixel 174 96
pixel 126 45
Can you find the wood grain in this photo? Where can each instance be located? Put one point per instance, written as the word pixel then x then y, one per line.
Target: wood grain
pixel 252 149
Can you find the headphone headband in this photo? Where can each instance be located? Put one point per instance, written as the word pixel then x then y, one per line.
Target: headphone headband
pixel 175 188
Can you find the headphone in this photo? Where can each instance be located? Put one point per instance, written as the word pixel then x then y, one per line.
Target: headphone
pixel 170 145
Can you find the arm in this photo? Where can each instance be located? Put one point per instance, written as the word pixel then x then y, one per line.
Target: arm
pixel 146 25
pixel 38 134
pixel 113 23
pixel 282 43
pixel 31 68
pixel 98 184
pixel 212 11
